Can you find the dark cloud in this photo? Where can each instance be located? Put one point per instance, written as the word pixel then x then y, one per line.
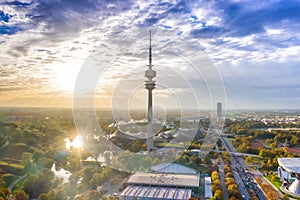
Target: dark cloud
pixel 245 19
pixel 68 16
pixel 277 41
pixel 164 10
pixel 62 18
pixel 17 3
pixel 180 7
pixel 207 32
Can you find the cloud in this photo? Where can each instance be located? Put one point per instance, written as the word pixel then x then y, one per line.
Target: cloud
pixel 59 20
pixel 267 84
pixel 207 32
pixel 246 18
pixel 41 39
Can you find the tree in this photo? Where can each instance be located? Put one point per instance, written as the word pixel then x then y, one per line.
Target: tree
pixel 87 174
pixel 45 163
pixel 37 184
pixel 37 155
pixel 215 175
pixel 216 185
pixel 285 197
pixel 249 160
pixel 272 195
pixel 21 195
pixel 286 141
pixel 295 140
pixel 218 195
pixel 227 169
pixel 61 195
pixel 43 197
pixel 97 180
pixel 94 195
pixel 74 164
pixel 229 175
pixel 232 187
pixel 229 181
pixel 207 160
pixel 235 193
pixel 2 140
pixel 259 180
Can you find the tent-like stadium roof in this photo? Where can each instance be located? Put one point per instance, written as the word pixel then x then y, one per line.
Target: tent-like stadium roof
pixel 291 165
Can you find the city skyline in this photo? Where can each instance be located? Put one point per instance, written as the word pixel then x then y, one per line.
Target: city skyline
pixel 251 46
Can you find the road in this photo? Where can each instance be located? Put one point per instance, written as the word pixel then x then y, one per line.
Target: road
pixel 236 173
pixel 242 173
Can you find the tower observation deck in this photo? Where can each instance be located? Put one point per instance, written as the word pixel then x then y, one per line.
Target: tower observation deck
pixel 150 85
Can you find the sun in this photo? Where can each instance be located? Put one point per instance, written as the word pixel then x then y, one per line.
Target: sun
pixel 65 75
pixel 77 142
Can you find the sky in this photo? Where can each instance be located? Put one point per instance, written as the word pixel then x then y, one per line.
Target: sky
pixel 244 54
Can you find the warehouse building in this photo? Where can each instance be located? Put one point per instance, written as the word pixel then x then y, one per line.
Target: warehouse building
pixel 161 185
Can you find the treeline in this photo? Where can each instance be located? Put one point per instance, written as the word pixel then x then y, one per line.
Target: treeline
pixel 230 183
pixel 248 129
pixel 237 127
pixel 287 138
pixel 270 192
pixel 216 186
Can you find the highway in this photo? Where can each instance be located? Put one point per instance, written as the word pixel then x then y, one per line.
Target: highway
pixel 243 190
pixel 241 173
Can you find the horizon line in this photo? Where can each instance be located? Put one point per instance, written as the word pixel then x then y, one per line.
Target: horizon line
pixel 109 108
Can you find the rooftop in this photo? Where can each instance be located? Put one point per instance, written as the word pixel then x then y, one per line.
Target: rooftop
pixel 156 192
pixel 291 165
pixel 208 187
pixel 162 179
pixel 173 168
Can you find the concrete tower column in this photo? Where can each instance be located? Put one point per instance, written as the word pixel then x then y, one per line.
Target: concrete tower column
pixel 150 85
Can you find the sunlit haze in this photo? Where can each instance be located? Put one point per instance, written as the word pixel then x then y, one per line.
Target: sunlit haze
pixel 76 143
pixel 253 46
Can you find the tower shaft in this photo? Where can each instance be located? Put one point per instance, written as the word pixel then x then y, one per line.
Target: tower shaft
pixel 150 123
pixel 150 85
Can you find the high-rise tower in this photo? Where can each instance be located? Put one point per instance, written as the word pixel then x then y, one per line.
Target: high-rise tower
pixel 219 110
pixel 150 85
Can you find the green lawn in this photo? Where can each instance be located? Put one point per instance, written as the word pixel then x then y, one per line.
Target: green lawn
pixel 13 165
pixel 166 144
pixel 19 185
pixel 277 183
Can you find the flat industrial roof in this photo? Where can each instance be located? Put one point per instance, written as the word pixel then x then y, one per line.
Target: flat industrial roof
pixel 163 179
pixel 291 165
pixel 173 168
pixel 155 192
pixel 208 188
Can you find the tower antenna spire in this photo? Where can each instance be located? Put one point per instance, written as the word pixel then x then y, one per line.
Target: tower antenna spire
pixel 150 53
